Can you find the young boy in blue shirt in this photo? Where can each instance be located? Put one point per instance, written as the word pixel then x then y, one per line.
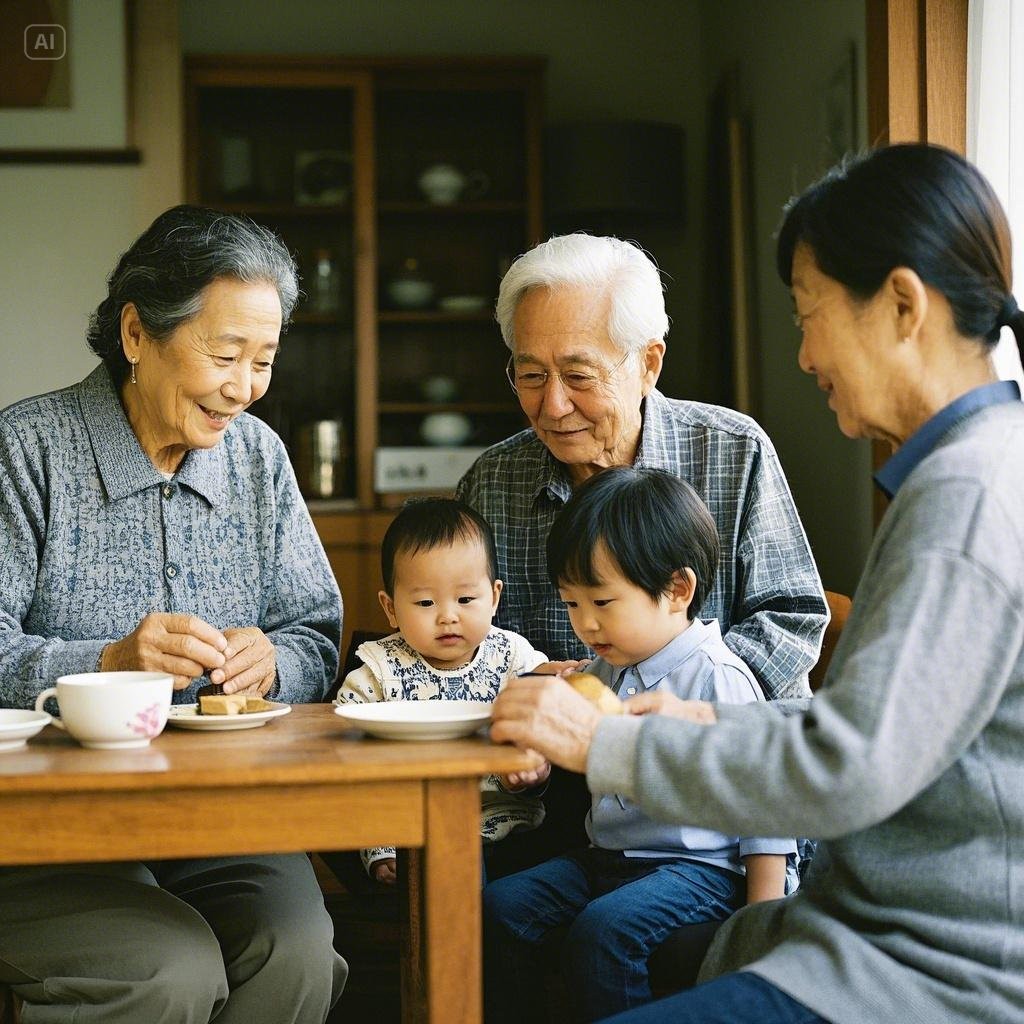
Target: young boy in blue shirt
pixel 633 555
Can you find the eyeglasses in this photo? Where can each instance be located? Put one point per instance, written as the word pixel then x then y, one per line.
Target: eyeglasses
pixel 572 380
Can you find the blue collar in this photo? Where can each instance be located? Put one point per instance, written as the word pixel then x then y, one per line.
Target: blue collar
pixel 921 443
pixel 653 669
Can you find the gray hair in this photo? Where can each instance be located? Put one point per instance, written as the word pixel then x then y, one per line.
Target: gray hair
pixel 606 265
pixel 169 265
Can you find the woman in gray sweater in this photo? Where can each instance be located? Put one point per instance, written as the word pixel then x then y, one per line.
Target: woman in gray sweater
pixel 909 764
pixel 148 522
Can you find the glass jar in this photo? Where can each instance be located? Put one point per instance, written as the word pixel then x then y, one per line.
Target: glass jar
pixel 325 284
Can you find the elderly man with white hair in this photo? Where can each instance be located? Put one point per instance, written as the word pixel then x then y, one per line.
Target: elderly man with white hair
pixel 584 317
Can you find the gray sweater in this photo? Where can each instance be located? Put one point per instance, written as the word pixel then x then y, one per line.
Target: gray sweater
pixel 92 537
pixel 909 764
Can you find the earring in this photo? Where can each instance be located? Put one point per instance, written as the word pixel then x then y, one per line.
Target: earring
pixel 133 362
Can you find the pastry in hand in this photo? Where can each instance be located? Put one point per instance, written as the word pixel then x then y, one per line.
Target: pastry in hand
pixel 589 686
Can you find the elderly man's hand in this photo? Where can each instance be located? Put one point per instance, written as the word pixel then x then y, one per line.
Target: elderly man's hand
pixel 548 716
pixel 183 646
pixel 655 702
pixel 252 666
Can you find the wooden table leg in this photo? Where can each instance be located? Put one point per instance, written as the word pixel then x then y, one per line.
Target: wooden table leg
pixel 451 903
pixel 410 879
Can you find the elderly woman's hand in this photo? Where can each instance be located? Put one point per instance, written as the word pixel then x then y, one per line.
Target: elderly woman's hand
pixel 252 665
pixel 656 702
pixel 548 716
pixel 184 646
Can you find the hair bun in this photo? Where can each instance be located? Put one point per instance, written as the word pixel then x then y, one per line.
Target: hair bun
pixel 1008 312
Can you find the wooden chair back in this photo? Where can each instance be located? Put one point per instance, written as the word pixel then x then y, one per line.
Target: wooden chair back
pixel 839 606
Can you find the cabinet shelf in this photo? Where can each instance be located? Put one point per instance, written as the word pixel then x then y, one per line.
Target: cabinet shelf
pixel 257 209
pixel 434 316
pixel 426 408
pixel 472 208
pixel 326 319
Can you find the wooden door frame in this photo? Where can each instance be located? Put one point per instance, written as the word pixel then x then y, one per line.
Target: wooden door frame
pixel 917 90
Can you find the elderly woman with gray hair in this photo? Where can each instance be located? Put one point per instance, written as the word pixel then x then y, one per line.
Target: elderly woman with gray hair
pixel 148 523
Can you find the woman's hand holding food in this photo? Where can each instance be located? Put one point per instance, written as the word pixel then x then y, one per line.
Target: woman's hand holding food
pixel 548 716
pixel 184 646
pixel 252 666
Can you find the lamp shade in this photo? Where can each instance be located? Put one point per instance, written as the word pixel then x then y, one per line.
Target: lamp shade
pixel 629 167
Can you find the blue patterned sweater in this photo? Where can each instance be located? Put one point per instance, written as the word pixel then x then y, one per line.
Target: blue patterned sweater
pixel 93 537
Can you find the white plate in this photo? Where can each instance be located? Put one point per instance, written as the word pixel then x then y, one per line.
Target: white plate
pixel 417 719
pixel 186 716
pixel 462 303
pixel 17 726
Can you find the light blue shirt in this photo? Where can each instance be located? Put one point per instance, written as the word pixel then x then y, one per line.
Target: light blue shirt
pixel 696 665
pixel 93 537
pixel 766 594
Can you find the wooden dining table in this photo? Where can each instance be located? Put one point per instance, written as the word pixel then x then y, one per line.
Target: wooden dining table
pixel 304 781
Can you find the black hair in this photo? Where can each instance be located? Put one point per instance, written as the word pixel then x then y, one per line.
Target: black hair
pixel 165 270
pixel 910 205
pixel 427 523
pixel 652 524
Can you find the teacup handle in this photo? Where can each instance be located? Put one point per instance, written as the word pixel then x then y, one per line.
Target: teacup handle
pixel 41 700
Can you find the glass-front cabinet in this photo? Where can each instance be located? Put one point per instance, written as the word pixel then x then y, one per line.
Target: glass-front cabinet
pixel 404 188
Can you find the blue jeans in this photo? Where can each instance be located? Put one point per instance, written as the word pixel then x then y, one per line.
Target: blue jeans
pixel 618 909
pixel 742 998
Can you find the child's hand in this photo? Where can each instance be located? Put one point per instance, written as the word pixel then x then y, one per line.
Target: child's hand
pixel 560 668
pixel 515 782
pixel 657 702
pixel 385 871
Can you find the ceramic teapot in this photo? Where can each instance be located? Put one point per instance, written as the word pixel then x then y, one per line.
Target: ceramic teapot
pixel 444 184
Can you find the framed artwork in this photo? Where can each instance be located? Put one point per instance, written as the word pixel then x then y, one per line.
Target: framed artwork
pixel 34 60
pixel 64 82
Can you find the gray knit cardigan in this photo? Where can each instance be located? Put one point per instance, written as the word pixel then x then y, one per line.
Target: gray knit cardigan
pixel 909 764
pixel 92 537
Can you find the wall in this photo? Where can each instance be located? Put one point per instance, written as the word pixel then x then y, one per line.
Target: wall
pixel 829 474
pixel 64 226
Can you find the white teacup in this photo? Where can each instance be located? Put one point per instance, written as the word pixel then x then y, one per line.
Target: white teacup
pixel 112 710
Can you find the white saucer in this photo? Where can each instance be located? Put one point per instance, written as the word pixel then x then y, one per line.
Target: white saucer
pixel 417 719
pixel 186 716
pixel 17 726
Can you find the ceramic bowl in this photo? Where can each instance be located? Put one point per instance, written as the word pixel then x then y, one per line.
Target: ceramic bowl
pixel 410 293
pixel 446 428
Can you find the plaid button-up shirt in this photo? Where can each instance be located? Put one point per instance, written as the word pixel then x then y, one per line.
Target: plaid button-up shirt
pixel 767 595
